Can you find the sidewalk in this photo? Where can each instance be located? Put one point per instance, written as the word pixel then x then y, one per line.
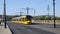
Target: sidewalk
pixel 3 30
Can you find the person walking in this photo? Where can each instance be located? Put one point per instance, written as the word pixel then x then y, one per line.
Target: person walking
pixel 0 21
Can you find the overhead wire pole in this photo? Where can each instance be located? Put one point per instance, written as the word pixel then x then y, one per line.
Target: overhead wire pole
pixel 27 10
pixel 5 14
pixel 54 12
pixel 34 12
pixel 48 12
pixel 21 13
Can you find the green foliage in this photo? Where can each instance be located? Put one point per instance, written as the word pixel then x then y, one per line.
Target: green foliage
pixel 8 18
pixel 42 18
pixel 45 18
pixel 57 18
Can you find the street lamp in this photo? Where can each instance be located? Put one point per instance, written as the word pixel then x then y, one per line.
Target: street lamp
pixel 54 12
pixel 5 14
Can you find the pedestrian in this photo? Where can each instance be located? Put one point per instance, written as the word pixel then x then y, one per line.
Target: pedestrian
pixel 0 21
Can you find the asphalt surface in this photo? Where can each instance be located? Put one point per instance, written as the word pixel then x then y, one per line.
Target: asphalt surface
pixel 25 29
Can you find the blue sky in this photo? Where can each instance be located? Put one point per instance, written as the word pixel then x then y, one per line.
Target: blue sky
pixel 13 7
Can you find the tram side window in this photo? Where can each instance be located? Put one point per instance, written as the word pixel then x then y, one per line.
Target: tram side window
pixel 21 19
pixel 15 19
pixel 25 19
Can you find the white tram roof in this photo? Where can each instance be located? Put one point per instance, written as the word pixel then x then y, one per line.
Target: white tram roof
pixel 18 17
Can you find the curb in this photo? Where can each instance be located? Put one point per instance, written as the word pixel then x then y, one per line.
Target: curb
pixel 9 29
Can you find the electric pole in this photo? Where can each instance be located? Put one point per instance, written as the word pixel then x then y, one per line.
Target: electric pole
pixel 21 13
pixel 48 12
pixel 34 12
pixel 54 12
pixel 27 10
pixel 5 14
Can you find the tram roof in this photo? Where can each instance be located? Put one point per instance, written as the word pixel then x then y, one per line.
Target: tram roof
pixel 20 16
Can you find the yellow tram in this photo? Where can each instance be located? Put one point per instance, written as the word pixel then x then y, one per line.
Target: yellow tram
pixel 23 19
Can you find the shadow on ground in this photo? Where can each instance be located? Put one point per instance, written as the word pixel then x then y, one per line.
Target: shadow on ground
pixel 35 24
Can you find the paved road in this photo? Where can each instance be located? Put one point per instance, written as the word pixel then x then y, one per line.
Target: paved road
pixel 48 25
pixel 23 29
